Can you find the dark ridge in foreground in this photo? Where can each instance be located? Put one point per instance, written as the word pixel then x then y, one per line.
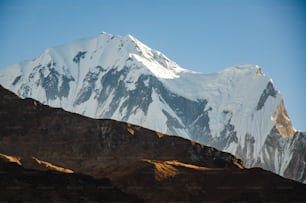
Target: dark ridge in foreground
pixel 151 165
pixel 27 185
pixel 91 146
pixel 211 185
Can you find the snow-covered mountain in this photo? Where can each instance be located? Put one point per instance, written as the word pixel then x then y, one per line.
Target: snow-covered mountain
pixel 237 110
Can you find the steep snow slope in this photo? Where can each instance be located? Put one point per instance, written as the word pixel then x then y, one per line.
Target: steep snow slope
pixel 237 110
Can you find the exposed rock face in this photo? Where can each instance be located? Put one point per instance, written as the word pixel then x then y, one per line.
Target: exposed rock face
pixel 290 152
pixel 282 120
pixel 154 166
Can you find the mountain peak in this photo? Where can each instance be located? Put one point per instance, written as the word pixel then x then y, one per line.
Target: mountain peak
pixel 236 110
pixel 131 38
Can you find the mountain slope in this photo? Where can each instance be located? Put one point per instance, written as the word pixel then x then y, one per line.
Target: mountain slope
pixel 237 110
pixel 151 165
pixel 89 145
pixel 27 185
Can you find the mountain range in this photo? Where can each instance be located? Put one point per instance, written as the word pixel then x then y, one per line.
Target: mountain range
pixel 50 155
pixel 237 110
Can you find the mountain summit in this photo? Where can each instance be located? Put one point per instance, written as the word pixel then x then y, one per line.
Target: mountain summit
pixel 237 110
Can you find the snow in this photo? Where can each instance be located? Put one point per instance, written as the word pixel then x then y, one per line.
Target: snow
pixel 155 68
pixel 155 119
pixel 9 74
pixel 227 90
pixel 235 89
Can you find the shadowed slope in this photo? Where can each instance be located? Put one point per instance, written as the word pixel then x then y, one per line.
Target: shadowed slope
pixel 154 166
pixel 91 146
pixel 27 185
pixel 171 181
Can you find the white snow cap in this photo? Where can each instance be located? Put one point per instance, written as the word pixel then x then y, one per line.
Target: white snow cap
pixel 97 76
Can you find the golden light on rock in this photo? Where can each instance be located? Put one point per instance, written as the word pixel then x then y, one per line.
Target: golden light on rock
pixel 283 122
pixel 238 164
pixel 168 169
pixel 11 159
pixel 160 135
pixel 131 131
pixel 52 166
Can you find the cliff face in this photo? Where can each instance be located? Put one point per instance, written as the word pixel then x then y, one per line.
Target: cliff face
pixel 283 123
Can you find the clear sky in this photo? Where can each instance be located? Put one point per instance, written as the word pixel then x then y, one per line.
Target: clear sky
pixel 204 35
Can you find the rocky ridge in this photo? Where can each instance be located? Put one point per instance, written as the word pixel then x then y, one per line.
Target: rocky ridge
pixel 151 165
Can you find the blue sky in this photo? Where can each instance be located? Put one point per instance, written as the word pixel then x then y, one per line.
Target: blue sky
pixel 203 35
